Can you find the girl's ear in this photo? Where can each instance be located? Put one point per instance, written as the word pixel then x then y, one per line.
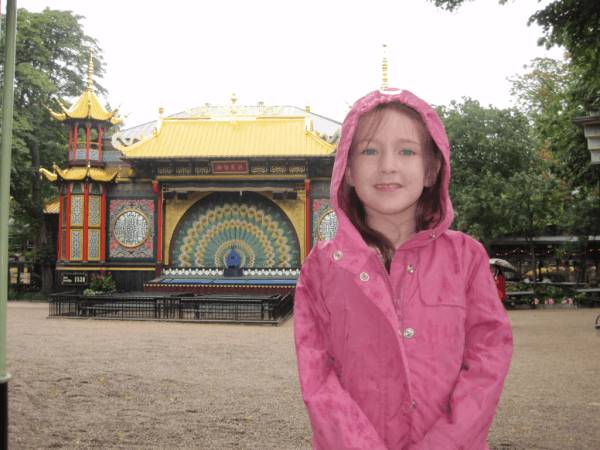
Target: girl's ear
pixel 348 174
pixel 432 172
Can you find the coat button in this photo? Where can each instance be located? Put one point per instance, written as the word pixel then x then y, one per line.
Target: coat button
pixel 414 405
pixel 408 333
pixel 337 255
pixel 432 235
pixel 410 268
pixel 364 276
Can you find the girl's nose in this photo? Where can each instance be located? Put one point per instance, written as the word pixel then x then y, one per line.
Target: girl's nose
pixel 388 163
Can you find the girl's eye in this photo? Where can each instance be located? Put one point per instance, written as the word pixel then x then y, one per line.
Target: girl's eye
pixel 370 151
pixel 407 152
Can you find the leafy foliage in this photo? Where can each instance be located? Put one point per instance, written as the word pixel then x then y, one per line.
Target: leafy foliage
pixel 454 5
pixel 581 220
pixel 531 202
pixel 479 209
pixel 488 146
pixel 101 284
pixel 485 140
pixel 551 93
pixel 573 24
pixel 52 54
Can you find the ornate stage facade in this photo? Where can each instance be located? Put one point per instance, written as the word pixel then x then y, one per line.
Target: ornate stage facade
pixel 161 209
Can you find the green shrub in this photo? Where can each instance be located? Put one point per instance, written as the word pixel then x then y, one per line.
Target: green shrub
pixel 101 284
pixel 13 294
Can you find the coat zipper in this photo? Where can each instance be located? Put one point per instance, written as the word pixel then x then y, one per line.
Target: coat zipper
pixel 402 280
pixel 389 281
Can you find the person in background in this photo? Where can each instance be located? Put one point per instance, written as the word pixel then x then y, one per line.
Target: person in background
pixel 498 273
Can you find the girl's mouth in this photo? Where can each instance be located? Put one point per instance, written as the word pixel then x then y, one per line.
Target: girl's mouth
pixel 389 187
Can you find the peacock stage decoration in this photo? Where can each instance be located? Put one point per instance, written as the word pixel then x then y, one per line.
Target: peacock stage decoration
pixel 255 226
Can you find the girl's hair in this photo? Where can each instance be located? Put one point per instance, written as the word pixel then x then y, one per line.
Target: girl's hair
pixel 430 206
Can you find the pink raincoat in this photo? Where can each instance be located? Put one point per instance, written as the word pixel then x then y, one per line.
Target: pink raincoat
pixel 427 375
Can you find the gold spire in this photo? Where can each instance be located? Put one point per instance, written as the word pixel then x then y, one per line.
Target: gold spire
pixel 90 70
pixel 385 68
pixel 233 99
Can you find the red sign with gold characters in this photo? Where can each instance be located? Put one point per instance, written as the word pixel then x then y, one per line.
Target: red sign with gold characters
pixel 229 167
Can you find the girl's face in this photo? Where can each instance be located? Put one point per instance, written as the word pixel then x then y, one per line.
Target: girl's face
pixel 388 168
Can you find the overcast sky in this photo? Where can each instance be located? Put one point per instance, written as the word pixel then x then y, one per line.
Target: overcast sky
pixel 182 54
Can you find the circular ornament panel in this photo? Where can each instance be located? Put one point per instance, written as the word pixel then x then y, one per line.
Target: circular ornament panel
pixel 327 225
pixel 131 228
pixel 256 227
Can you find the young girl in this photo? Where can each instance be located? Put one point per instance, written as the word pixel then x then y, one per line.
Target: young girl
pixel 400 337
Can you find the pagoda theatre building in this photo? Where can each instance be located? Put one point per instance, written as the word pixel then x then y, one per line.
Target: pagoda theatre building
pixel 173 198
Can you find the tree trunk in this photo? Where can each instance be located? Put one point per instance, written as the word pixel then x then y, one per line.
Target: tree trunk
pixel 43 237
pixel 44 240
pixel 533 268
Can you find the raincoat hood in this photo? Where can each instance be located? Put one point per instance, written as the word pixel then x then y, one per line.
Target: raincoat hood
pixel 346 231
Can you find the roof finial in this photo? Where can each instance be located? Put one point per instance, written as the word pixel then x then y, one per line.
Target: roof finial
pixel 161 110
pixel 385 67
pixel 90 70
pixel 233 99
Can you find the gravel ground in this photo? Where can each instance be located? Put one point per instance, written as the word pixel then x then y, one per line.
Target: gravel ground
pixel 91 384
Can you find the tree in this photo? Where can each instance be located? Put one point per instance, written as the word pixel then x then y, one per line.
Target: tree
pixel 573 24
pixel 51 61
pixel 479 209
pixel 581 219
pixel 484 140
pixel 487 147
pixel 532 201
pixel 551 93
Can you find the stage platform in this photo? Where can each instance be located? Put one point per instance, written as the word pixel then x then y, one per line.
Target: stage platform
pixel 213 281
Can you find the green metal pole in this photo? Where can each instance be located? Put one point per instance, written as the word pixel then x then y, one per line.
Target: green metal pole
pixel 5 154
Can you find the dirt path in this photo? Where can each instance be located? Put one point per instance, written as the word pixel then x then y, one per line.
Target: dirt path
pixel 91 384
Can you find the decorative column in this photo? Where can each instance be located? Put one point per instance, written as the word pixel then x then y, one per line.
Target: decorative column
pixel 307 227
pixel 87 141
pixel 103 224
pixel 70 139
pixel 61 215
pixel 67 242
pixel 99 143
pixel 86 214
pixel 75 144
pixel 159 265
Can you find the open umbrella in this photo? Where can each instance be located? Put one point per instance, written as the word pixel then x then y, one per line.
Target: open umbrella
pixel 502 263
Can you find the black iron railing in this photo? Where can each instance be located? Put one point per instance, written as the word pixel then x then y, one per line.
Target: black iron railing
pixel 235 308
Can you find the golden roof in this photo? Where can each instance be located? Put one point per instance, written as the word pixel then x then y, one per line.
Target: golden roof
pixel 87 106
pixel 52 206
pixel 79 173
pixel 242 136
